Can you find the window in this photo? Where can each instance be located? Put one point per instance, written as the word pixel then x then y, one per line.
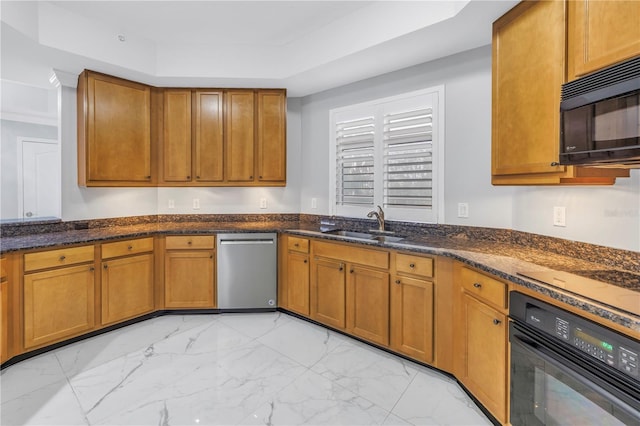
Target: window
pixel 388 152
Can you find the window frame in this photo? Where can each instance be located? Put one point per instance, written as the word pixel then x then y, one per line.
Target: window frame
pixel 433 215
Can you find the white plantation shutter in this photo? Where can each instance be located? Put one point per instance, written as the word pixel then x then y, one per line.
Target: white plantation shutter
pixel 387 152
pixel 355 162
pixel 408 159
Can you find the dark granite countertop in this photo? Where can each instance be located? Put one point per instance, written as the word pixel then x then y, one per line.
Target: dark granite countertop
pixel 496 256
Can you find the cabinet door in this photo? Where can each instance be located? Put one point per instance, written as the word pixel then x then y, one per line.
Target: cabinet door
pixel 189 279
pixel 208 159
pixel 328 292
pixel 118 131
pixel 176 144
pixel 412 317
pixel 528 69
pixel 368 304
pixel 127 288
pixel 601 33
pixel 272 145
pixel 58 304
pixel 298 283
pixel 4 321
pixel 239 141
pixel 485 346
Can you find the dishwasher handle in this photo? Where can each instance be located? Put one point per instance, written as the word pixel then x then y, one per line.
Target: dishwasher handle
pixel 246 242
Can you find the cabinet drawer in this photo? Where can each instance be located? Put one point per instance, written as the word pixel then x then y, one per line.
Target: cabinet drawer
pixel 55 258
pixel 485 287
pixel 298 244
pixel 185 242
pixel 416 265
pixel 124 248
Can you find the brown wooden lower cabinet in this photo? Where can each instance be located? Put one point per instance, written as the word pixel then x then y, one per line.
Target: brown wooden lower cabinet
pixel 368 304
pixel 412 317
pixel 328 292
pixel 481 338
pixel 4 311
pixel 127 288
pixel 298 283
pixel 189 279
pixel 58 304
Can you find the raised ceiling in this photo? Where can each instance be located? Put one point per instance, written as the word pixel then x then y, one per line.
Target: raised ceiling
pixel 304 46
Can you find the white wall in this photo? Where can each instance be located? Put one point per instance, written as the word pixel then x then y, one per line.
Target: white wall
pixel 467 81
pixel 607 216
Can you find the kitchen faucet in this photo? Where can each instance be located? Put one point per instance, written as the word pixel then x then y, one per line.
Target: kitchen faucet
pixel 380 216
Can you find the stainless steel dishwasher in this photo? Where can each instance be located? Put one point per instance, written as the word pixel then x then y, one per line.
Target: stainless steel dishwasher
pixel 247 271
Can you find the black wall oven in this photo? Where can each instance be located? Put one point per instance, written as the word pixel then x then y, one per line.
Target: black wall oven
pixel 566 370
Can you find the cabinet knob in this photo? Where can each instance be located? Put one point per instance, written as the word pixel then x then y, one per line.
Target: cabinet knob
pixel 341 268
pixel 63 257
pixel 147 177
pixel 305 261
pixel 555 163
pixel 189 242
pixel 496 321
pixel 351 271
pixel 250 177
pixel 398 281
pixel 188 177
pixel 92 269
pixel 129 247
pixel 106 266
pixel 259 177
pixel 412 265
pixel 197 177
pixel 211 257
pixel 477 285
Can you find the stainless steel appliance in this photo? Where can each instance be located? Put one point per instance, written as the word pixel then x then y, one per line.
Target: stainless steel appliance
pixel 600 117
pixel 247 271
pixel 566 370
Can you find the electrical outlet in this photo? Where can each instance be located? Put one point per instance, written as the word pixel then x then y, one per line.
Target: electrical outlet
pixel 263 203
pixel 463 209
pixel 172 204
pixel 559 216
pixel 196 203
pixel 314 203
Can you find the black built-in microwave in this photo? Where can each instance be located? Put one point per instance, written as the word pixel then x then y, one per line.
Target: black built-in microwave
pixel 600 117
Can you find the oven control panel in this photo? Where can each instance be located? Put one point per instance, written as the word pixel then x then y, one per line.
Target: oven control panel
pixel 608 349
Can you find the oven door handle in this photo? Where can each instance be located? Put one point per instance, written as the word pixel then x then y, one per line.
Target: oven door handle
pixel 567 369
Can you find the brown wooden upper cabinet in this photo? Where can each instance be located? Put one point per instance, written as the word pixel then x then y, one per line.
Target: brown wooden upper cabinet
pixel 192 137
pixel 114 132
pixel 529 67
pixel 130 134
pixel 601 33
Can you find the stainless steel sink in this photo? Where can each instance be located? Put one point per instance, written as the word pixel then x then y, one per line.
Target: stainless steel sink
pixel 387 239
pixel 365 236
pixel 351 234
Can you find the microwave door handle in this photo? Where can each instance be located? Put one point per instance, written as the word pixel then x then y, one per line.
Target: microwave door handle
pixel 566 368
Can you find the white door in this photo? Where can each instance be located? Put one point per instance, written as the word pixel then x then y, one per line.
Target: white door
pixel 39 181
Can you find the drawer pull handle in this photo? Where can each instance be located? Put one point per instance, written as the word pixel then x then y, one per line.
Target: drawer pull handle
pixel 477 285
pixel 189 242
pixel 62 258
pixel 296 245
pixel 412 265
pixel 398 281
pixel 351 271
pixel 197 177
pixel 129 247
pixel 106 266
pixel 496 321
pixel 92 269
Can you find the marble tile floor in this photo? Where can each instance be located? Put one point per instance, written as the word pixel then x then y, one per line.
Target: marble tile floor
pixel 228 369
